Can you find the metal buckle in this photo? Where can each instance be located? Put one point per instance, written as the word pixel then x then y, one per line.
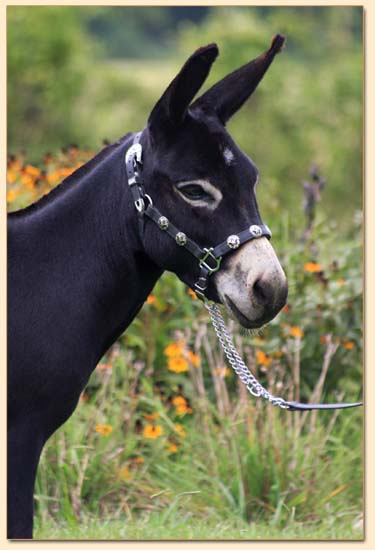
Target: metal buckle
pixel 203 263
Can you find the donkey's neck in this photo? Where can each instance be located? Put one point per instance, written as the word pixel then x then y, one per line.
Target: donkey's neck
pixel 86 237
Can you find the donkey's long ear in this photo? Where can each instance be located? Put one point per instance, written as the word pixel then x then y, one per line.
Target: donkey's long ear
pixel 229 94
pixel 172 106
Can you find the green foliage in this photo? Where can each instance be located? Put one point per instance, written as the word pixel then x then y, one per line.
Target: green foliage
pixel 307 110
pixel 48 53
pixel 138 32
pixel 309 106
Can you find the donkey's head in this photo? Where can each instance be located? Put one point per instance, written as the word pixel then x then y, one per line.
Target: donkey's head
pixel 205 185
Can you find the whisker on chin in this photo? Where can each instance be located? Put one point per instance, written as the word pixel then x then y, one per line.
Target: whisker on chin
pixel 251 331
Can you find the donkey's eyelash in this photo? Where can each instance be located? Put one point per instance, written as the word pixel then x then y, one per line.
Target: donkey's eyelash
pixel 195 192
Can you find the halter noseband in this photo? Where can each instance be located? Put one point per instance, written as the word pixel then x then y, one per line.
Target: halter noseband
pixel 209 260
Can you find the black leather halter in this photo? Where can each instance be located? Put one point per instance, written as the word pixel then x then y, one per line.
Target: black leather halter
pixel 209 259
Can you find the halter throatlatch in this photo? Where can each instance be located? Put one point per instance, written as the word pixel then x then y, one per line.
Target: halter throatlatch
pixel 209 261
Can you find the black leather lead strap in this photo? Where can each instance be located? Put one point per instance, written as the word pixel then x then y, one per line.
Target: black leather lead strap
pixel 296 406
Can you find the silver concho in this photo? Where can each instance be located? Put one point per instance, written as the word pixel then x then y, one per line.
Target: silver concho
pixel 163 223
pixel 233 241
pixel 181 239
pixel 255 230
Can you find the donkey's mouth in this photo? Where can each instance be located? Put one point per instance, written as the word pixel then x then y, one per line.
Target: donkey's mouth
pixel 241 318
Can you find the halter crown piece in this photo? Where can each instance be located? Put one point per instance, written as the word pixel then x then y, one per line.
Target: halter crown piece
pixel 209 261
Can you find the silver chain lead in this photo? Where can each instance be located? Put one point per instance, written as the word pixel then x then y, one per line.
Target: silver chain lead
pixel 236 362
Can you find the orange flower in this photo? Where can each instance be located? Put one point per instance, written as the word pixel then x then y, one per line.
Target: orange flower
pixel 181 405
pixel 178 364
pixel 192 294
pixel 340 282
pixel 179 401
pixel 296 332
pixel 151 299
pixel 262 358
pixel 124 473
pixel 172 448
pixel 32 170
pixel 28 181
pixel 53 177
pixel 65 172
pixel 138 460
pixel 181 410
pixel 102 367
pixel 312 267
pixel 152 432
pixel 348 344
pixel 194 358
pixel 151 417
pixel 180 430
pixel 103 429
pixel 11 176
pixel 12 195
pixel 174 349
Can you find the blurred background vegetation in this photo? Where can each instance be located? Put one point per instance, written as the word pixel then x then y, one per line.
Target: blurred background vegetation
pixel 83 74
pixel 134 449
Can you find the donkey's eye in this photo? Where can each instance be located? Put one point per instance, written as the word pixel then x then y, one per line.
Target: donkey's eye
pixel 194 192
pixel 199 193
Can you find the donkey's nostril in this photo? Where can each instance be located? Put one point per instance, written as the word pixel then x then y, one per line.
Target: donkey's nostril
pixel 263 291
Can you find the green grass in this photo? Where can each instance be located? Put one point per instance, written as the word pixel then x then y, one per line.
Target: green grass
pixel 183 526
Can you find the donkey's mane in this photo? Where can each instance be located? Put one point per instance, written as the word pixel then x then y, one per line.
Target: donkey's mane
pixel 71 179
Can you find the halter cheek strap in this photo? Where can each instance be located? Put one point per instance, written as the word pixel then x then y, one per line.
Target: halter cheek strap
pixel 209 261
